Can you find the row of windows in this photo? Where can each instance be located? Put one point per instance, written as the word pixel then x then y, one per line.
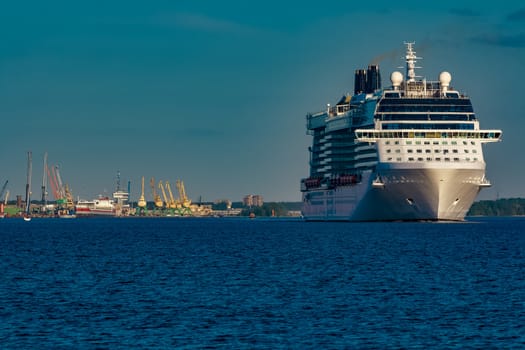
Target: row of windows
pixel 491 135
pixel 429 126
pixel 430 159
pixel 428 101
pixel 435 142
pixel 383 107
pixel 434 117
pixel 445 151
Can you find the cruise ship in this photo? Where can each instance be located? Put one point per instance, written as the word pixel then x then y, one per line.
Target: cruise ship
pixel 409 152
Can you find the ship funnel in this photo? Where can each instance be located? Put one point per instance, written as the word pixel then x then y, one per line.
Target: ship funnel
pixel 444 81
pixel 396 78
pixel 373 79
pixel 360 81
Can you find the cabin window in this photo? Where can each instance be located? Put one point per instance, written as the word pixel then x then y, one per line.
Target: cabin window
pixel 428 151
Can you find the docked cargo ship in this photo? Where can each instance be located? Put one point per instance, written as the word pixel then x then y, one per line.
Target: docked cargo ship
pixel 412 151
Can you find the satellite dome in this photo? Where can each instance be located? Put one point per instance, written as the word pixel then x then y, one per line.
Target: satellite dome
pixel 396 78
pixel 444 79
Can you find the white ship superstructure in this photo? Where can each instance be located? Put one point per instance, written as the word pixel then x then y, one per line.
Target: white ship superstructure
pixel 409 152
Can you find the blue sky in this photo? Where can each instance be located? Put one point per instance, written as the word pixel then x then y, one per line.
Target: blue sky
pixel 216 93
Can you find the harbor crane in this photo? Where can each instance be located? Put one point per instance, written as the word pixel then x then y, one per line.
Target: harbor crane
pixel 183 199
pixel 166 201
pixel 44 182
pixel 61 192
pixel 173 204
pixel 142 204
pixel 2 191
pixel 142 201
pixel 156 198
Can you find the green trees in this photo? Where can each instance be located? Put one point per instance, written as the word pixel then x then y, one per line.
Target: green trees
pixel 500 207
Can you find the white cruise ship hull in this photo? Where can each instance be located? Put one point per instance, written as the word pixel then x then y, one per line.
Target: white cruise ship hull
pixel 398 194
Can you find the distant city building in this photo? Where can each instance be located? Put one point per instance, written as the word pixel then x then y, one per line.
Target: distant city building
pixel 253 200
pixel 225 201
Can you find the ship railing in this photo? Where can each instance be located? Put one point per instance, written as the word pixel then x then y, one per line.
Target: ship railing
pixel 317 120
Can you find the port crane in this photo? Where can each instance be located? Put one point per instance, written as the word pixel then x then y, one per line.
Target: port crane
pixel 183 199
pixel 2 191
pixel 44 183
pixel 173 204
pixel 142 201
pixel 156 198
pixel 61 192
pixel 166 201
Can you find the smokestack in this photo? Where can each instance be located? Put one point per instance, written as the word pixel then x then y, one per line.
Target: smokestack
pixel 360 81
pixel 373 79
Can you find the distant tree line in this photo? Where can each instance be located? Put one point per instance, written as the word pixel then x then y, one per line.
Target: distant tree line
pixel 499 207
pixel 272 209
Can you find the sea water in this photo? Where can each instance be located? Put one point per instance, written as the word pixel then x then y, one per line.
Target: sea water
pixel 259 284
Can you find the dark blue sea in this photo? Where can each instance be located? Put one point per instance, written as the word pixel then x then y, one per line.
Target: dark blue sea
pixel 261 284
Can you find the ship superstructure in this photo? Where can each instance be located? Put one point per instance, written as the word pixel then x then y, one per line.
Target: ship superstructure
pixel 412 151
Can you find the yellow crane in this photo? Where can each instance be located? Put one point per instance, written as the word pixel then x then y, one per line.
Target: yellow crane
pixel 182 194
pixel 142 201
pixel 69 198
pixel 156 197
pixel 186 203
pixel 161 186
pixel 172 204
